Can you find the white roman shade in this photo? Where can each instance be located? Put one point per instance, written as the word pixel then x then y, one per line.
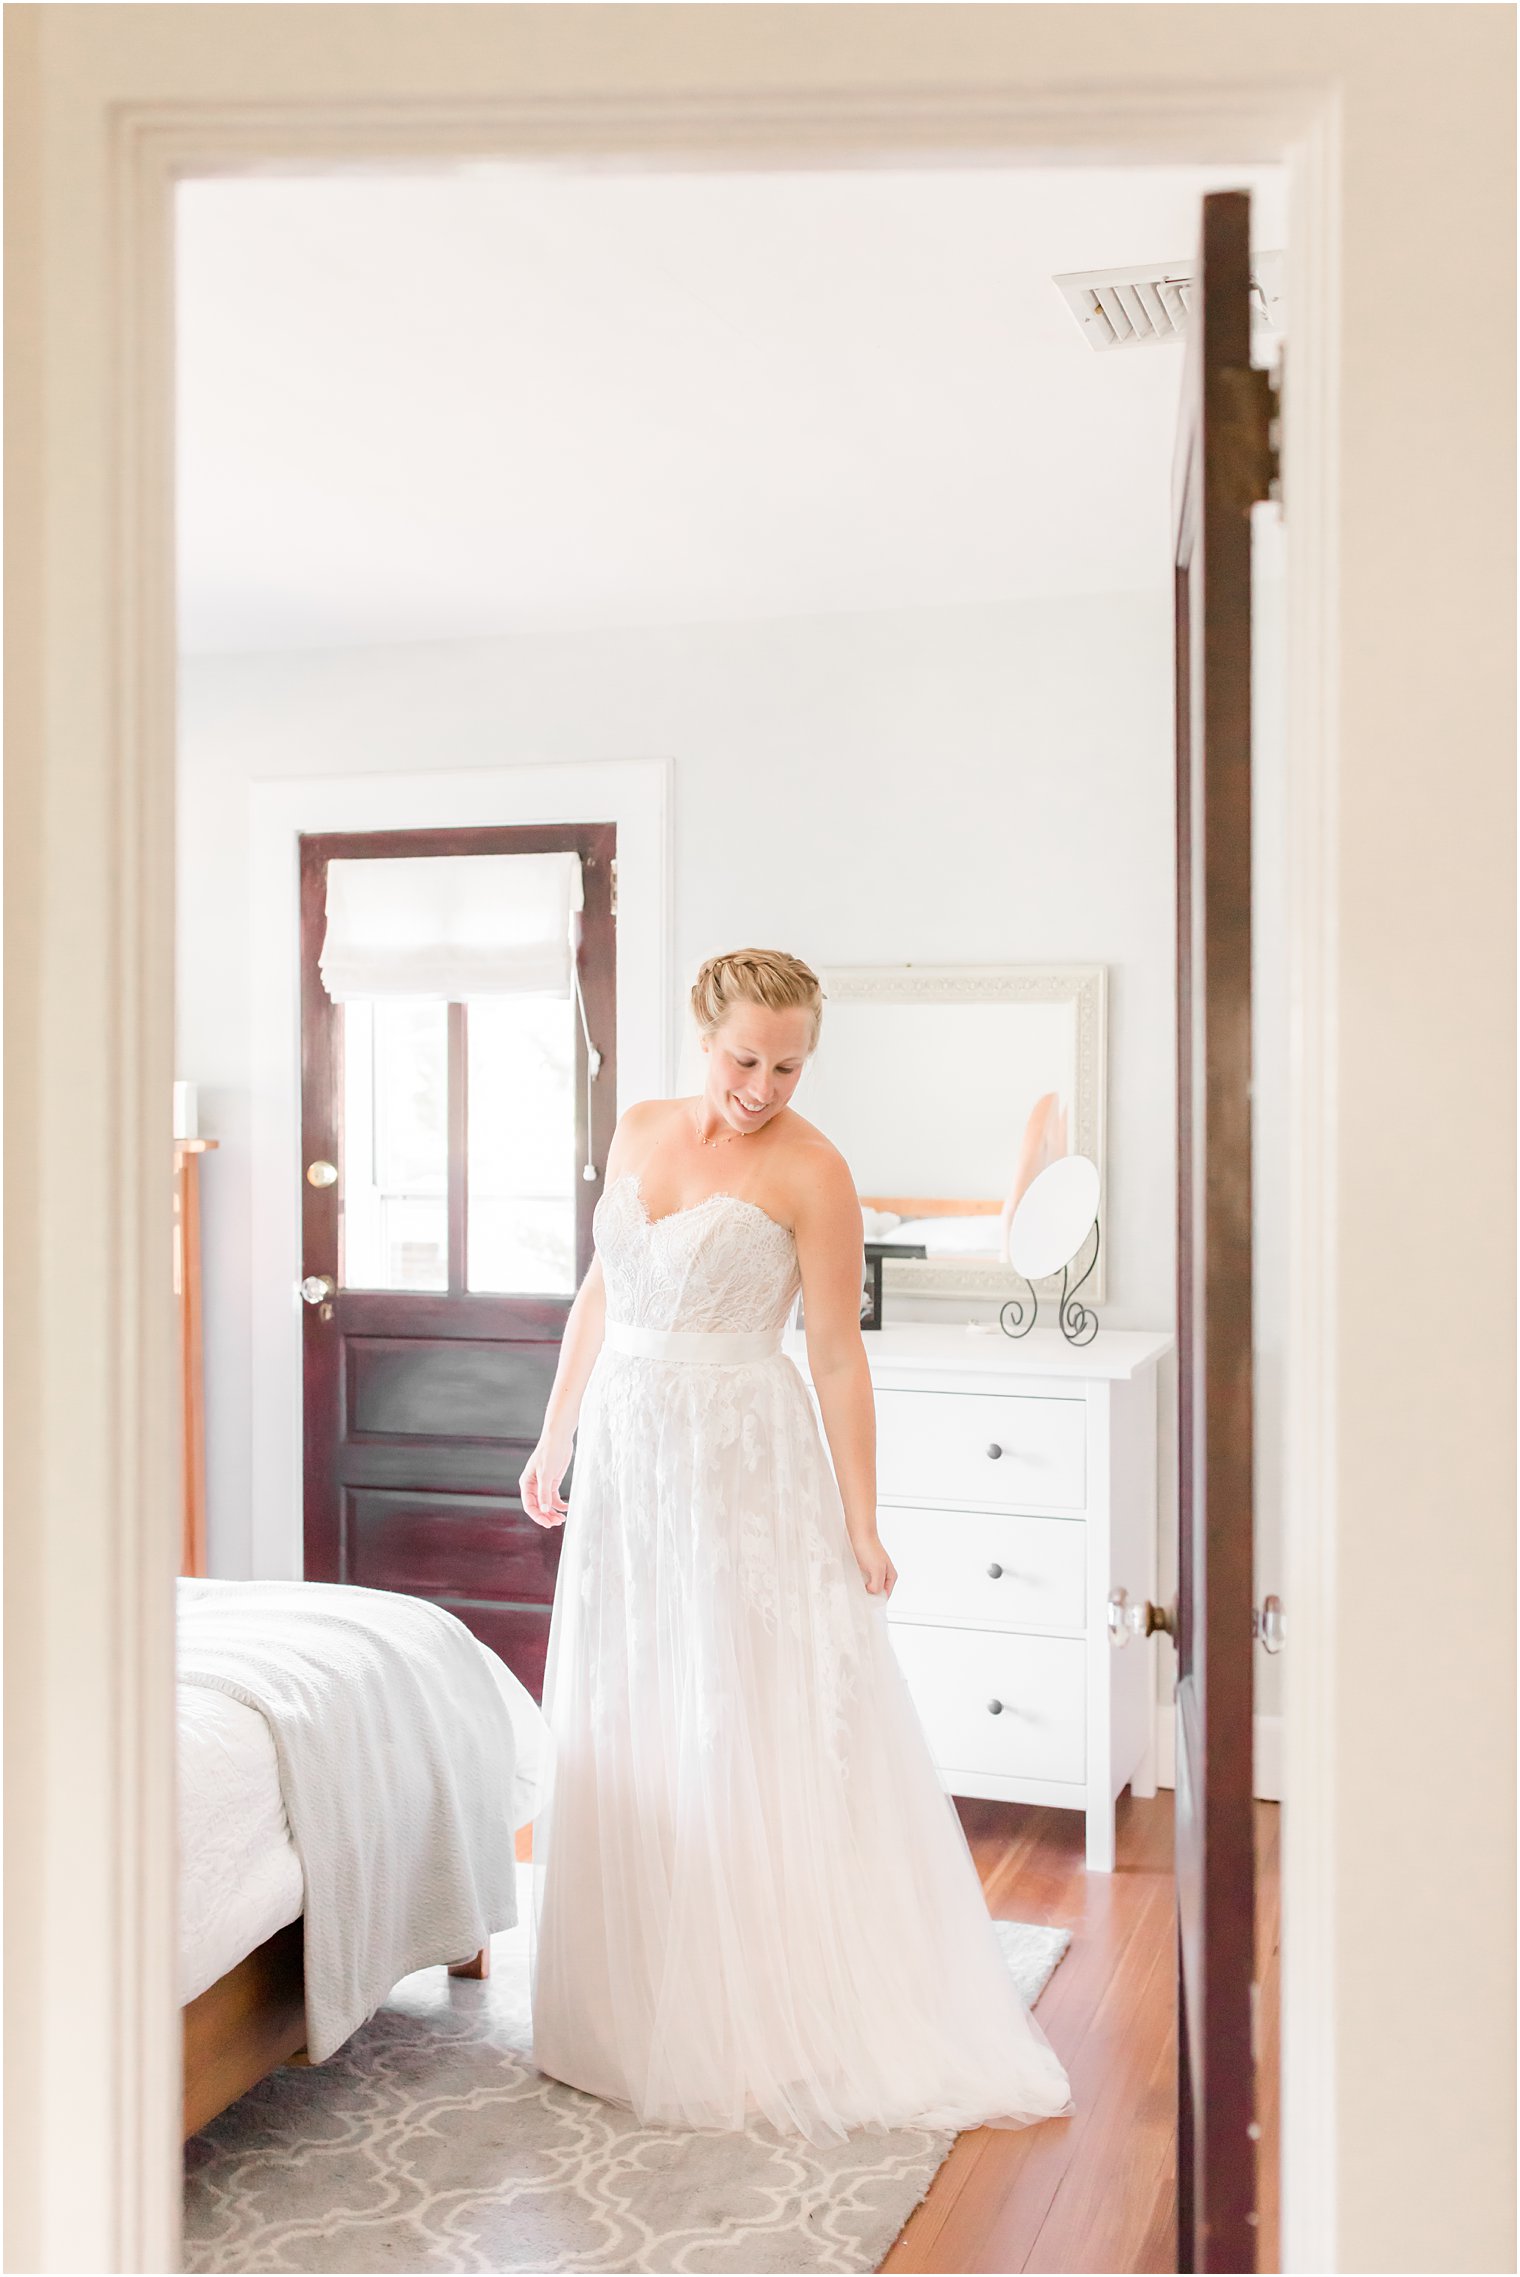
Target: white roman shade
pixel 452 926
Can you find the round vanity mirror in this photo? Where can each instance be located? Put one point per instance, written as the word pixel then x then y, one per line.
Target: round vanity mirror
pixel 1054 1217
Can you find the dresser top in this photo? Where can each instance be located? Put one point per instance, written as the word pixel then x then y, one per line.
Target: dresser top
pixel 921 1349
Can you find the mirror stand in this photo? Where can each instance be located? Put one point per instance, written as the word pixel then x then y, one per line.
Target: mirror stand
pixel 1078 1322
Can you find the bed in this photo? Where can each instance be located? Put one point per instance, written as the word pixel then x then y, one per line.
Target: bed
pixel 249 1782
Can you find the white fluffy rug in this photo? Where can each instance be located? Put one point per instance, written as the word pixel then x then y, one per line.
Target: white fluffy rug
pixel 431 2142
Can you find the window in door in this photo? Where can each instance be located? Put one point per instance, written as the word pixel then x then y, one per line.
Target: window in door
pixel 463 1067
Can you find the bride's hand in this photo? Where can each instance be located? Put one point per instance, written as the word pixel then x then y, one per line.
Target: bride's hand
pixel 877 1569
pixel 539 1483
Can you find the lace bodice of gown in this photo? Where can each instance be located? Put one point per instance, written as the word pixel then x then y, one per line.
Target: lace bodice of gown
pixel 722 1264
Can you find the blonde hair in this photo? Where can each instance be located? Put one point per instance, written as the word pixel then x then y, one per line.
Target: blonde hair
pixel 755 976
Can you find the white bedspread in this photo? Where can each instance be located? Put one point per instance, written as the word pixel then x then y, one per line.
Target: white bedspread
pixel 408 1755
pixel 239 1876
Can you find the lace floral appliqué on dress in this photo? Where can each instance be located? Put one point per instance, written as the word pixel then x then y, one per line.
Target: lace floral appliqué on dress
pixel 751 1894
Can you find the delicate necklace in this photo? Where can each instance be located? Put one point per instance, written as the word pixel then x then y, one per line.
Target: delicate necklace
pixel 727 1135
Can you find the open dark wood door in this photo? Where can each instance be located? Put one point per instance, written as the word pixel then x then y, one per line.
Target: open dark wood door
pixel 1223 465
pixel 452 1154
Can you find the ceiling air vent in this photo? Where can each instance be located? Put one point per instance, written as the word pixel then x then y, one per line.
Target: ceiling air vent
pixel 1134 308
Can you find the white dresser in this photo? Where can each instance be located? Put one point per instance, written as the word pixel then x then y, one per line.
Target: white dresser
pixel 1016 1484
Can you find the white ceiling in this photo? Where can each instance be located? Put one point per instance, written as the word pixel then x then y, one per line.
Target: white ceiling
pixel 447 406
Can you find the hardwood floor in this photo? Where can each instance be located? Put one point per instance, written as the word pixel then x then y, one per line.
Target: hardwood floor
pixel 1096 2191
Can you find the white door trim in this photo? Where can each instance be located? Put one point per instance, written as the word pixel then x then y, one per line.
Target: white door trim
pixel 633 793
pixel 93 2170
pixel 1310 1505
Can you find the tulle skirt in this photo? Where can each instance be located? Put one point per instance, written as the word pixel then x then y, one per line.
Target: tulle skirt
pixel 752 1895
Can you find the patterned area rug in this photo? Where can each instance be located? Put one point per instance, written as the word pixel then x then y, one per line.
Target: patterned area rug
pixel 430 2142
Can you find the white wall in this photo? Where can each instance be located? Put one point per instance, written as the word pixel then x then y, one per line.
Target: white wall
pixel 948 785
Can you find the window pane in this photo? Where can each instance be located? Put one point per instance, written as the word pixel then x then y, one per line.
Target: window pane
pixel 395 1169
pixel 521 1238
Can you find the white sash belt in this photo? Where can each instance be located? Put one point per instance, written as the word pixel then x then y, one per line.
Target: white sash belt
pixel 723 1345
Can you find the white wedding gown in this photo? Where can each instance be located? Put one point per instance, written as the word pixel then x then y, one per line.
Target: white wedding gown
pixel 752 1895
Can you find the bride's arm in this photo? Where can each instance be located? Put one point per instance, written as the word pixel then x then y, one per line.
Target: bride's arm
pixel 828 1232
pixel 550 1459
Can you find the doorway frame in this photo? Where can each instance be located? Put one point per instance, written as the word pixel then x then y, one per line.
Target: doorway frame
pixel 111 2157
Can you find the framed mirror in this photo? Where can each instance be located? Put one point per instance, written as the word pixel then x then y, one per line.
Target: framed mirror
pixel 948 1088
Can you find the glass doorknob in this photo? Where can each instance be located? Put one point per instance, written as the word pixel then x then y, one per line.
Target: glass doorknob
pixel 1269 1624
pixel 321 1174
pixel 1143 1620
pixel 319 1288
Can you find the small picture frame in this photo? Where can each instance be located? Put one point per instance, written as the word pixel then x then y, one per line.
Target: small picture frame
pixel 870 1288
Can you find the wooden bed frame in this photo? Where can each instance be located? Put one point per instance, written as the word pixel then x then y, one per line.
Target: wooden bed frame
pixel 924 1206
pixel 252 2020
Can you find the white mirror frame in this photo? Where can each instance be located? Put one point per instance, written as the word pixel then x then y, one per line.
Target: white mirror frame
pixel 1085 987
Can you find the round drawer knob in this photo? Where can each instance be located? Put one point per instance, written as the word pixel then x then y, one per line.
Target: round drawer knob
pixel 993 1452
pixel 994 1707
pixel 994 1572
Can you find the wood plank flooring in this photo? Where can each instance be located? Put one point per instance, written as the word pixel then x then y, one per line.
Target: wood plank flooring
pixel 1096 2191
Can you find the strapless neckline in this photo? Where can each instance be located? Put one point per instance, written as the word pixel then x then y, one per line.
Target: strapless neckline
pixel 690 1209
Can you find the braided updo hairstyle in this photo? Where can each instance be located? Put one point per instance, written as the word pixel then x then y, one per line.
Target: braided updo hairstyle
pixel 755 976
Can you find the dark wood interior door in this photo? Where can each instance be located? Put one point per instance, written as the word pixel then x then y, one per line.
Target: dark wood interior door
pixel 435 1283
pixel 1223 465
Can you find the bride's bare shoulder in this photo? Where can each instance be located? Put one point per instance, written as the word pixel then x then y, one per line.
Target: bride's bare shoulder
pixel 637 1126
pixel 815 1169
pixel 642 1112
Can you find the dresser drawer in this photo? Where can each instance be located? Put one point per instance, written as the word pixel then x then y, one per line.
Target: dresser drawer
pixel 1039 1728
pixel 987 1568
pixel 939 1447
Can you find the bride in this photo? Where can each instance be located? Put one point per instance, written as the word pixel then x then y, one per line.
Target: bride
pixel 752 1897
